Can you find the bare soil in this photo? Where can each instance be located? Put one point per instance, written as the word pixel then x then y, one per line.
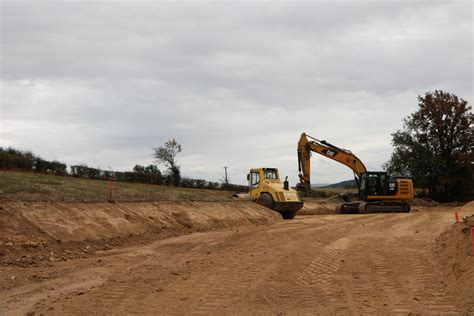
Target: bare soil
pixel 35 233
pixel 318 207
pixel 418 263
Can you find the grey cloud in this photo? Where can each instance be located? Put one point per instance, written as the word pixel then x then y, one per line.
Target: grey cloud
pixel 235 83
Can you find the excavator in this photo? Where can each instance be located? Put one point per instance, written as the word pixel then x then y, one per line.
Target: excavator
pixel 378 192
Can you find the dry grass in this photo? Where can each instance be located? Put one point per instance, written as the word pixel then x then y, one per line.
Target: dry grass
pixel 23 186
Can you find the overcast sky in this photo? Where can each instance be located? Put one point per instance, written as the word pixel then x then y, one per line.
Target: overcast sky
pixel 234 82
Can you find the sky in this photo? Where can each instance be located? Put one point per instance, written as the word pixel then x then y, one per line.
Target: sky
pixel 235 83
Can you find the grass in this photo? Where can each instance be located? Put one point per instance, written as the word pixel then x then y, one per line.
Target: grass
pixel 322 193
pixel 25 186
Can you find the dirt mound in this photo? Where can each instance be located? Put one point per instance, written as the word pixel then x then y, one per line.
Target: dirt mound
pixel 424 202
pixel 33 233
pixel 317 207
pixel 457 261
pixel 468 207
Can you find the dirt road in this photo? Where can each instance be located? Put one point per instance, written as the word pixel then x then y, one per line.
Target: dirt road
pixel 364 264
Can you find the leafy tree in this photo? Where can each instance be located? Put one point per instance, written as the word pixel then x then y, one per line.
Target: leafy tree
pixel 150 169
pixel 139 169
pixel 167 155
pixel 435 147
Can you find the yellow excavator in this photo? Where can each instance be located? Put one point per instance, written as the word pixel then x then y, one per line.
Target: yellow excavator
pixel 266 188
pixel 378 192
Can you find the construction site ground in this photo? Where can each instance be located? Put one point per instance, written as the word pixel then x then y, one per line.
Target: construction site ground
pixel 232 258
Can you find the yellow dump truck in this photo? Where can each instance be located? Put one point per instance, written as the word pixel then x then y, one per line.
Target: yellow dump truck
pixel 266 188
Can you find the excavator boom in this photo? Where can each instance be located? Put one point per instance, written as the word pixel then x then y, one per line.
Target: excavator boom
pixel 344 156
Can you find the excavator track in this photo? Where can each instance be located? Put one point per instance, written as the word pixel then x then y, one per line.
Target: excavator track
pixel 373 207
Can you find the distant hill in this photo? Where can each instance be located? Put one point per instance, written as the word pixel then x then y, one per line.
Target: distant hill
pixel 320 185
pixel 342 184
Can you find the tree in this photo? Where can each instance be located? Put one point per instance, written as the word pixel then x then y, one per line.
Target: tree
pixel 150 169
pixel 225 179
pixel 435 147
pixel 167 155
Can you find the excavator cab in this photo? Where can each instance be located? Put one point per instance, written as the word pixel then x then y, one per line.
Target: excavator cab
pixel 375 186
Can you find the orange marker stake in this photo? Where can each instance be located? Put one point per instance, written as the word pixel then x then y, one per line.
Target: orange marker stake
pixel 472 239
pixel 110 191
pixel 456 216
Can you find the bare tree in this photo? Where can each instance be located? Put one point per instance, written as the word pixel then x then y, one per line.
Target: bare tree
pixel 225 179
pixel 167 155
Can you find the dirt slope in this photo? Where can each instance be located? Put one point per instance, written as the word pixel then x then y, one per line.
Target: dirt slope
pixel 317 207
pixel 457 260
pixel 365 264
pixel 34 232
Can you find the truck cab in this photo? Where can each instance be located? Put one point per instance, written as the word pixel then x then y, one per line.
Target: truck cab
pixel 258 177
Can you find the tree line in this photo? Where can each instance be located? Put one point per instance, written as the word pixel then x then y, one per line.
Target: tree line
pixel 15 159
pixel 25 160
pixel 435 147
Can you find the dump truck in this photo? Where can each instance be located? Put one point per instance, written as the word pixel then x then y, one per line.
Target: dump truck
pixel 266 188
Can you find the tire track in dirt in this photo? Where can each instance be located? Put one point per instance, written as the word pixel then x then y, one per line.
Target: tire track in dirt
pixel 370 264
pixel 314 266
pixel 229 277
pixel 398 274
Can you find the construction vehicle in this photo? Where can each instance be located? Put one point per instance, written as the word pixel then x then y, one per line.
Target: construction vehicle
pixel 266 188
pixel 378 192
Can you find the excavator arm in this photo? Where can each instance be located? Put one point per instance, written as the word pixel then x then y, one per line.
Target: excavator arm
pixel 343 156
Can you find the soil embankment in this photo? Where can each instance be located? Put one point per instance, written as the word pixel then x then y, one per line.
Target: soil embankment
pixel 457 258
pixel 318 207
pixel 31 233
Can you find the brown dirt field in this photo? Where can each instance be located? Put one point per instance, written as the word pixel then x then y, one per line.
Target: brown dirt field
pixel 468 207
pixel 327 264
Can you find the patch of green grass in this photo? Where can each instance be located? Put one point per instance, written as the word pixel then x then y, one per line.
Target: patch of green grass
pixel 24 186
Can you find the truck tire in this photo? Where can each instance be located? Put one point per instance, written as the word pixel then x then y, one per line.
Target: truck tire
pixel 266 200
pixel 289 214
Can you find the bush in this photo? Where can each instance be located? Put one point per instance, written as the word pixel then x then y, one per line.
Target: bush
pixel 14 159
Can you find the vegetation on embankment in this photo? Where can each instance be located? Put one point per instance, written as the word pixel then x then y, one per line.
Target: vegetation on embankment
pixel 25 186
